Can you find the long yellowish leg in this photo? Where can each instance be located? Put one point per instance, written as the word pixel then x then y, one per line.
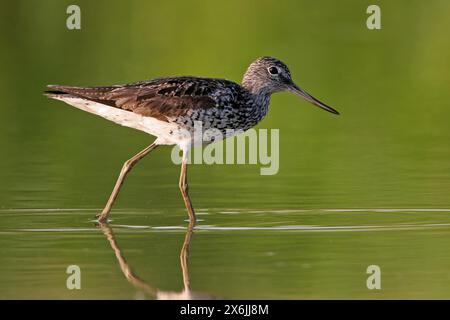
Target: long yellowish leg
pixel 184 189
pixel 103 217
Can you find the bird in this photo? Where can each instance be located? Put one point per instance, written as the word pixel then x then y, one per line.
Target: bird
pixel 168 107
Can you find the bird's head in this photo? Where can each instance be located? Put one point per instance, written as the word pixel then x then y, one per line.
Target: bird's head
pixel 267 75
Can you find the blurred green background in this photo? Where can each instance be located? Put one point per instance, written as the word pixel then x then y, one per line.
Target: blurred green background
pixel 388 149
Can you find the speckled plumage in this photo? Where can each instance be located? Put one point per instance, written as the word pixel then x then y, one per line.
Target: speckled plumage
pixel 217 103
pixel 170 107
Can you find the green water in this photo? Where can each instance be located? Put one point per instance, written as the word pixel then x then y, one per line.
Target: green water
pixel 371 187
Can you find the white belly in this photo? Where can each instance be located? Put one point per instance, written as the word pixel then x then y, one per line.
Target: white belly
pixel 166 132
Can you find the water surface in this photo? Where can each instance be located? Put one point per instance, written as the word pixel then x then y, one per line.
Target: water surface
pixel 292 254
pixel 371 187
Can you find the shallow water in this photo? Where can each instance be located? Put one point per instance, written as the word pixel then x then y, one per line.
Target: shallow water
pixel 371 187
pixel 233 254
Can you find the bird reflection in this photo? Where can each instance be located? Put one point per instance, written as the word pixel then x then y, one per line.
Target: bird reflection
pixel 140 284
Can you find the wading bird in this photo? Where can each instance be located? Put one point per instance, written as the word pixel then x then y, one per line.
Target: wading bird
pixel 168 107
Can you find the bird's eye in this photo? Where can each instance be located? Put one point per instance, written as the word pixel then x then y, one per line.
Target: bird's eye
pixel 273 70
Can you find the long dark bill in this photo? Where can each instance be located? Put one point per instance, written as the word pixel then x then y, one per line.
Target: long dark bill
pixel 300 92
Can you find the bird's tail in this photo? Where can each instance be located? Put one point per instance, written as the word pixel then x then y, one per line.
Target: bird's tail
pixel 92 93
pixel 89 99
pixel 59 92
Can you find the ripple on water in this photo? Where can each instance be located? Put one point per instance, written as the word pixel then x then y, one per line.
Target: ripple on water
pixel 311 220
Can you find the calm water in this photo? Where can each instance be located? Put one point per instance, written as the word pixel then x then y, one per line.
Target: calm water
pixel 371 187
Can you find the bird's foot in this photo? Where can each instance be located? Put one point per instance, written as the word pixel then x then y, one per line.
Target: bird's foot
pixel 101 218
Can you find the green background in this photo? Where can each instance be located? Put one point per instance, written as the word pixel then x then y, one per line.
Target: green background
pixel 259 236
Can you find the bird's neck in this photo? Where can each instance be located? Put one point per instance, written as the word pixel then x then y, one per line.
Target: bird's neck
pixel 260 96
pixel 255 87
pixel 259 92
pixel 261 100
pixel 259 108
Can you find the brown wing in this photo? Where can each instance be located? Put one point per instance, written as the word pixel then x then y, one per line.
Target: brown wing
pixel 163 98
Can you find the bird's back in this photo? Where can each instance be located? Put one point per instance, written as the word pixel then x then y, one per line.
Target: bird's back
pixel 178 101
pixel 162 98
